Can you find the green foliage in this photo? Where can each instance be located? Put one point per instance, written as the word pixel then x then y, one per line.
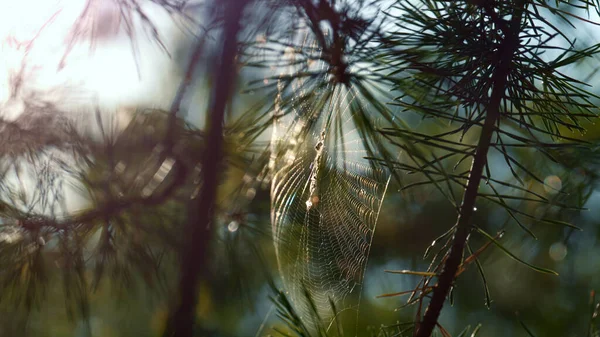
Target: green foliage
pixel 436 94
pixel 492 73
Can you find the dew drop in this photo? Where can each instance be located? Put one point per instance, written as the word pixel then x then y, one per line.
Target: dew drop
pixel 308 204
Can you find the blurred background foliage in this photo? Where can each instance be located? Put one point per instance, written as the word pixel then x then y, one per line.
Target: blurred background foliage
pixel 238 292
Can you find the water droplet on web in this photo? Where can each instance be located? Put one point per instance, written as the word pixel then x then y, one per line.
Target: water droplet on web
pixel 474 209
pixel 233 226
pixel 308 204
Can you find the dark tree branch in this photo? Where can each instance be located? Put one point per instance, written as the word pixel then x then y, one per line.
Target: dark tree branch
pixel 509 46
pixel 183 89
pixel 197 232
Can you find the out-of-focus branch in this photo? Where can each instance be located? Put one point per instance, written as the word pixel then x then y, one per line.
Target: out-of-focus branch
pixel 200 211
pixel 125 14
pixel 33 133
pixel 183 87
pixel 109 209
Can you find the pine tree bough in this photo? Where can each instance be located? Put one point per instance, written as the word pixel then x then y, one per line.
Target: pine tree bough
pixel 200 211
pixel 507 49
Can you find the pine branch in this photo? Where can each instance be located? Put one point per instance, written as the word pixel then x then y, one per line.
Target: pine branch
pixel 201 210
pixel 184 87
pixel 500 78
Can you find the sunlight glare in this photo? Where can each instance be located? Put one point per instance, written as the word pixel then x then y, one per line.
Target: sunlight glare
pixel 109 71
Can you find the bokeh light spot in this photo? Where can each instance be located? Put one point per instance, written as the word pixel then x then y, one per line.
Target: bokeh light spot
pixel 558 251
pixel 233 226
pixel 552 184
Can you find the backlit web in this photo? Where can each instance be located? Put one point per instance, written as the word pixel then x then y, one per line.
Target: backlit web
pixel 325 201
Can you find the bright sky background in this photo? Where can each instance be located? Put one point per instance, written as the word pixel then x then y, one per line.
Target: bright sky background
pixel 106 75
pixel 109 71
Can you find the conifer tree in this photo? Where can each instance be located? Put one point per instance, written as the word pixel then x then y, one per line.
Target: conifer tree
pixel 339 82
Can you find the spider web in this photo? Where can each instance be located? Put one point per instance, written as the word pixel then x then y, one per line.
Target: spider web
pixel 325 201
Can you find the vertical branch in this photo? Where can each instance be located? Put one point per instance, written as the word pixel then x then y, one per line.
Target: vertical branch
pixel 183 88
pixel 200 211
pixel 507 49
